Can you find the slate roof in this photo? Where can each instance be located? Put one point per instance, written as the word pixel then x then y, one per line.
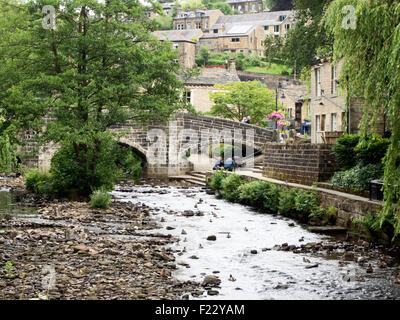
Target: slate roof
pixel 192 14
pixel 178 35
pixel 232 30
pixel 212 76
pixel 264 17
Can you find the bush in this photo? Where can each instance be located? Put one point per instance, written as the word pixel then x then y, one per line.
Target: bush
pixel 230 187
pixel 38 182
pixel 222 149
pixel 372 149
pixel 305 202
pixel 357 178
pixel 216 180
pixel 100 199
pixel 287 202
pixel 253 193
pixel 86 171
pixel 378 226
pixel 271 201
pixel 346 156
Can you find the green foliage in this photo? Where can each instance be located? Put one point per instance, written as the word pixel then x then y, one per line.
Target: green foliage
pixel 242 99
pixel 305 39
pixel 164 22
pixel 9 268
pixel 88 75
pixel 306 202
pixel 230 187
pixel 358 177
pixel 287 201
pixel 371 149
pixel 271 198
pixel 7 157
pixel 100 199
pixel 38 182
pixel 371 70
pixel 129 164
pixel 344 150
pixel 259 194
pixel 377 227
pixel 89 169
pixel 221 5
pixel 223 150
pixel 216 180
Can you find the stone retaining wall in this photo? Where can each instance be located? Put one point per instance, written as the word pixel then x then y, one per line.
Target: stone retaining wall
pixel 299 163
pixel 348 206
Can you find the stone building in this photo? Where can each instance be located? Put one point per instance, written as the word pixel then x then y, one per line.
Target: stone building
pixel 197 19
pixel 200 87
pixel 235 38
pixel 184 41
pixel 246 6
pixel 328 104
pixel 246 32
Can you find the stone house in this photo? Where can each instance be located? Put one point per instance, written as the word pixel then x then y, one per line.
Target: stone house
pixel 328 104
pixel 246 6
pixel 197 19
pixel 235 38
pixel 199 88
pixel 246 32
pixel 184 41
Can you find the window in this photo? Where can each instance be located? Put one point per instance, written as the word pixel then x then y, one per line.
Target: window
pixel 253 7
pixel 189 26
pixel 318 91
pixel 266 28
pixel 235 39
pixel 206 25
pixel 276 29
pixel 281 18
pixel 179 26
pixel 287 27
pixel 334 122
pixel 318 123
pixel 323 117
pixel 334 80
pixel 198 25
pixel 240 8
pixel 188 96
pixel 215 30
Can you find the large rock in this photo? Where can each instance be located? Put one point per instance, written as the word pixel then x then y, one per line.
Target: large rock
pixel 211 280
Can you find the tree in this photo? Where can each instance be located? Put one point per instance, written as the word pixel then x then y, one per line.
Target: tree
pixel 306 39
pixel 242 99
pixel 99 67
pixel 223 6
pixel 367 38
pixel 164 22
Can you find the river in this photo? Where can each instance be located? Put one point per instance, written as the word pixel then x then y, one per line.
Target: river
pixel 269 274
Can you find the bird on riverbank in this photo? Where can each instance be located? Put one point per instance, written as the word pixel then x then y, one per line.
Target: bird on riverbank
pixel 370 269
pixel 200 246
pixel 210 220
pixel 231 278
pixel 245 229
pixel 306 260
pixel 301 239
pixel 229 235
pixel 162 219
pixel 183 231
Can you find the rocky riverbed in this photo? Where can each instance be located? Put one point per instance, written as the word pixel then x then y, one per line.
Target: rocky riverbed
pixel 69 251
pixel 170 241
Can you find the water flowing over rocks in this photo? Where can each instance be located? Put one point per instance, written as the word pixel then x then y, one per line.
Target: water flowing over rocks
pixel 152 243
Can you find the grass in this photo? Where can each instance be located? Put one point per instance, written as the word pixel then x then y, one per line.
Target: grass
pixel 270 68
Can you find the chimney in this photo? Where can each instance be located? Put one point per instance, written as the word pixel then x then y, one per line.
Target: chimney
pixel 232 65
pixel 179 10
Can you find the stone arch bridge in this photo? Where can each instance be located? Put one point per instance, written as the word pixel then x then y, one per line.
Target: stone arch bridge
pixel 164 146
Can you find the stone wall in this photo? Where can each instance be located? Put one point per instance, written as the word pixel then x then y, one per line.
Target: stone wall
pixel 299 163
pixel 348 206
